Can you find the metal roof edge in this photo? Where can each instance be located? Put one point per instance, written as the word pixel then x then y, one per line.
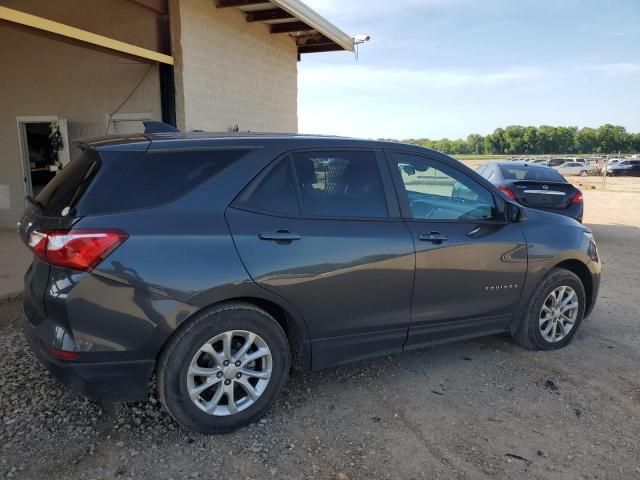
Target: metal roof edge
pixel 315 20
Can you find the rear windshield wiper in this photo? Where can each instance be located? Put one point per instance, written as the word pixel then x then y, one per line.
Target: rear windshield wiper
pixel 35 202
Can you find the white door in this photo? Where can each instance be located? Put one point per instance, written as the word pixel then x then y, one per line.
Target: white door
pixel 44 149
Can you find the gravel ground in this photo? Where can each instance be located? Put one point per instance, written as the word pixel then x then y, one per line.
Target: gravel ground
pixel 484 408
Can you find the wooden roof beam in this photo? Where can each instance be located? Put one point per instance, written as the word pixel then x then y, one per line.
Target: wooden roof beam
pixel 239 3
pixel 290 27
pixel 266 15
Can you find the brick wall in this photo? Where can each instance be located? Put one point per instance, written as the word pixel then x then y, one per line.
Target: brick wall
pixel 231 72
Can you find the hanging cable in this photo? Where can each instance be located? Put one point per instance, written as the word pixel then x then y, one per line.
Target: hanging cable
pixel 128 97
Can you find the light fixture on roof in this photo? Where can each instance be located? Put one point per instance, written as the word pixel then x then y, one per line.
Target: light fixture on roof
pixel 357 40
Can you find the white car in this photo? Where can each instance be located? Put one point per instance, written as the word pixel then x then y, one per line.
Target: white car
pixel 573 168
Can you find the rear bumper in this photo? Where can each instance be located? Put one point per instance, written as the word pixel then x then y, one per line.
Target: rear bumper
pixel 107 381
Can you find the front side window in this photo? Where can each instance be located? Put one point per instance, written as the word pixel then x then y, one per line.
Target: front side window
pixel 340 184
pixel 438 192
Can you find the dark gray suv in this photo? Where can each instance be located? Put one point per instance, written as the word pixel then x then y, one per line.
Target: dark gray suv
pixel 218 262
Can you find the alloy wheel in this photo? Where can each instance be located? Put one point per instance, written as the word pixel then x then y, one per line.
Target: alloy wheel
pixel 559 313
pixel 229 372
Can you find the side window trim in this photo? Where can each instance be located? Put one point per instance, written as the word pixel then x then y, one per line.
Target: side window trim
pixel 403 199
pixel 390 194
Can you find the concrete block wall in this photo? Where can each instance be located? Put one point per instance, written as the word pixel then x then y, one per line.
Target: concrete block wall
pixel 229 72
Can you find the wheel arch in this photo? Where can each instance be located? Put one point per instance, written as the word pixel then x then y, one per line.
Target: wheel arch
pixel 289 320
pixel 582 272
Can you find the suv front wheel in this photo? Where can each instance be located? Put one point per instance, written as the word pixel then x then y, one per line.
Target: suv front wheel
pixel 225 369
pixel 554 312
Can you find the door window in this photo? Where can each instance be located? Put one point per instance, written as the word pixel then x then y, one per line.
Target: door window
pixel 436 191
pixel 340 184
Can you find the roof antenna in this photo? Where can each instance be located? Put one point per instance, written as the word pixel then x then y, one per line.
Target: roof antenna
pixel 235 129
pixel 357 40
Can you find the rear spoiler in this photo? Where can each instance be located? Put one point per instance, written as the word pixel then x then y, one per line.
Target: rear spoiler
pixel 153 126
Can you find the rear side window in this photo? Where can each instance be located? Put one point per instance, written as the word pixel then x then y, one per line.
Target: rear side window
pixel 340 184
pixel 273 191
pixel 66 188
pixel 162 177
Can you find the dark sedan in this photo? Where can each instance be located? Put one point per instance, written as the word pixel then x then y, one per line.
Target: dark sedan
pixel 535 186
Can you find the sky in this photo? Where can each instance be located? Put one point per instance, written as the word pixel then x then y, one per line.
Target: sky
pixel 448 68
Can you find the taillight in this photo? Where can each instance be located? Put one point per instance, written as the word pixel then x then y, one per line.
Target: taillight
pixel 38 243
pixel 577 198
pixel 507 192
pixel 61 354
pixel 75 249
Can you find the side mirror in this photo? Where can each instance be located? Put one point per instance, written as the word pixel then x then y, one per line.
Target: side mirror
pixel 512 212
pixel 409 169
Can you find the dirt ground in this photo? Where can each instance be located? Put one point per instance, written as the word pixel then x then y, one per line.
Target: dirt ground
pixel 484 408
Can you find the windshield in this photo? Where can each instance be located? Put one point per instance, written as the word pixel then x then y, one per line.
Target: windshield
pixel 530 173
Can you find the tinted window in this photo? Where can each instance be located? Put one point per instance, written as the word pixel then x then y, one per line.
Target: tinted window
pixel 273 191
pixel 438 192
pixel 531 173
pixel 162 177
pixel 66 188
pixel 340 184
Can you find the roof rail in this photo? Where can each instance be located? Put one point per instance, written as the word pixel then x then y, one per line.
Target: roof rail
pixel 153 126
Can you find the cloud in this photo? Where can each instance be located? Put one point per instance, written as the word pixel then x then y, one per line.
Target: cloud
pixel 609 70
pixel 371 8
pixel 405 81
pixel 369 78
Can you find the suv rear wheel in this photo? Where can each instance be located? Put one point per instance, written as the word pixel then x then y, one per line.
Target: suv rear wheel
pixel 554 313
pixel 225 369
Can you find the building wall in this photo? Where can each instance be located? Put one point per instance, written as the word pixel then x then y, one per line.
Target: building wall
pixel 230 72
pixel 43 76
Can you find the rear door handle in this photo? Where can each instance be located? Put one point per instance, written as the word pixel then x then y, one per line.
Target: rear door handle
pixel 280 236
pixel 435 237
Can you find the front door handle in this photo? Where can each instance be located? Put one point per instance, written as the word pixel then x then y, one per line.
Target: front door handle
pixel 434 237
pixel 279 236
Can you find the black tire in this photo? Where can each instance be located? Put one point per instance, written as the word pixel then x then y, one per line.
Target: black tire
pixel 583 173
pixel 528 334
pixel 176 357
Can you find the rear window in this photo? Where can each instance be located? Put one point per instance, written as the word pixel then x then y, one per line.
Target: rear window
pixel 534 173
pixel 66 188
pixel 162 177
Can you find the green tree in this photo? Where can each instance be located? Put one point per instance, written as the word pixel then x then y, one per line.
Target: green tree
pixel 611 138
pixel 494 142
pixel 475 143
pixel 530 138
pixel 514 139
pixel 586 140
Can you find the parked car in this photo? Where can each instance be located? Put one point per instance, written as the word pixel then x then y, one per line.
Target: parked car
pixel 535 186
pixel 215 262
pixel 573 168
pixel 623 167
pixel 555 162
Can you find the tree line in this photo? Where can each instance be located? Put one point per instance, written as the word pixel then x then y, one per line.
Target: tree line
pixel 518 140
